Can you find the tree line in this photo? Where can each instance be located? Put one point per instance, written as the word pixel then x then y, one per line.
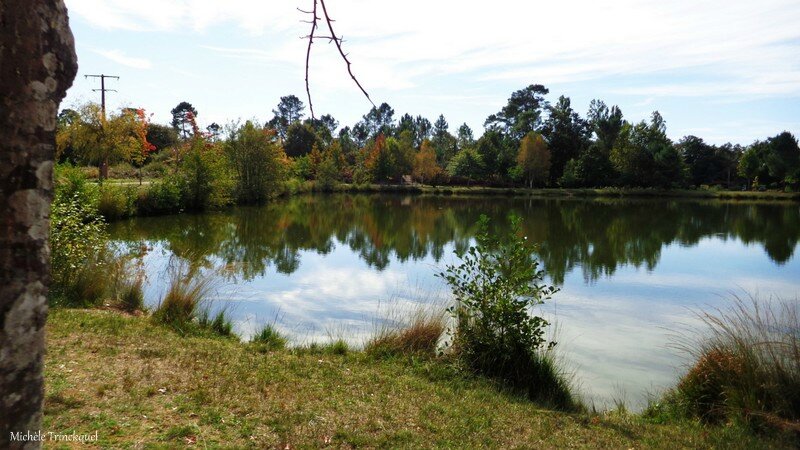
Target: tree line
pixel 529 142
pixel 381 229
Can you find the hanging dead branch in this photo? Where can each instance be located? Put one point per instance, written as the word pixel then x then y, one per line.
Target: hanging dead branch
pixel 332 37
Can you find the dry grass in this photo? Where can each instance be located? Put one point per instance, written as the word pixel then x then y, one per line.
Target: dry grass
pixel 140 384
pixel 418 335
pixel 187 297
pixel 747 366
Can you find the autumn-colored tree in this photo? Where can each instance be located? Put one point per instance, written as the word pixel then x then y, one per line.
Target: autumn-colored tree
pixel 379 161
pixel 139 156
pixel 314 160
pixel 425 166
pixel 99 140
pixel 533 159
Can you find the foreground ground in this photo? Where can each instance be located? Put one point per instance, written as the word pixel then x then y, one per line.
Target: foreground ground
pixel 142 385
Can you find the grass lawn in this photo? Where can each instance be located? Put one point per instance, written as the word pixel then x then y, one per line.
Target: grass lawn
pixel 142 385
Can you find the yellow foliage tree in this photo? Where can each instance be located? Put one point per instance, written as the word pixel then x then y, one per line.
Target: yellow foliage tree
pixel 99 140
pixel 425 166
pixel 533 159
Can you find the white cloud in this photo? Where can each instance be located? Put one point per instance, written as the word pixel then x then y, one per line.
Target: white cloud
pixel 751 45
pixel 119 57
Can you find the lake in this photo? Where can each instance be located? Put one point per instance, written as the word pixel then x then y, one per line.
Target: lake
pixel 633 273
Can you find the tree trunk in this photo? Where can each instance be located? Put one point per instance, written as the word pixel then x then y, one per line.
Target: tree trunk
pixel 37 65
pixel 103 170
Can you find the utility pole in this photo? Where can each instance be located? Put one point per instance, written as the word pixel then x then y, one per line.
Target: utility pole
pixel 103 89
pixel 103 167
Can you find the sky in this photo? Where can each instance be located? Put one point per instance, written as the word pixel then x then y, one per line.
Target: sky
pixel 724 70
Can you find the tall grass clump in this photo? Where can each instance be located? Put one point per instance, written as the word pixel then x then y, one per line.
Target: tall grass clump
pixel 131 295
pixel 417 336
pixel 496 286
pixel 126 282
pixel 747 367
pixel 184 307
pixel 269 338
pixel 218 323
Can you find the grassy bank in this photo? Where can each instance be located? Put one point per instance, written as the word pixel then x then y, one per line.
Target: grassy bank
pixel 129 199
pixel 587 192
pixel 138 383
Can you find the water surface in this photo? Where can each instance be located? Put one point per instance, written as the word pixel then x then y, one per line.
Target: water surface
pixel 632 273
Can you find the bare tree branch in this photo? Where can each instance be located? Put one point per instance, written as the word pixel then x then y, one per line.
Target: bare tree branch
pixel 313 21
pixel 338 40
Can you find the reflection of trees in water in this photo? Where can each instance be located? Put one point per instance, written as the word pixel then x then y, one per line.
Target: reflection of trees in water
pixel 598 235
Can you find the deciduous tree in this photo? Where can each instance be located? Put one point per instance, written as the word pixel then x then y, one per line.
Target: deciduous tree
pixel 534 159
pixel 425 166
pixel 102 141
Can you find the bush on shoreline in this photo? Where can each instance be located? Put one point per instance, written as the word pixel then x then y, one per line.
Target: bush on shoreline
pixel 747 368
pixel 495 287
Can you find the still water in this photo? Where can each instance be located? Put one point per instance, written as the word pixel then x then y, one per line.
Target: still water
pixel 633 274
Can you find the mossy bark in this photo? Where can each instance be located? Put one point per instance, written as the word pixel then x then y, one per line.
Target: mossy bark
pixel 37 65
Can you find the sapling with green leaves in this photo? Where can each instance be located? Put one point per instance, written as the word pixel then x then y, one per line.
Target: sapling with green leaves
pixel 496 286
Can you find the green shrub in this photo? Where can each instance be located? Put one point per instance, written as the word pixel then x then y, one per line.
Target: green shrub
pixel 495 287
pixel 77 243
pixel 116 202
pixel 155 169
pixel 204 177
pixel 258 162
pixel 327 175
pixel 123 170
pixel 161 197
pixel 71 182
pixel 269 338
pixel 90 172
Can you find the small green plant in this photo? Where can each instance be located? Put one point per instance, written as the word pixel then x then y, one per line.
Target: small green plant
pixel 269 338
pixel 337 347
pixel 219 324
pixel 495 287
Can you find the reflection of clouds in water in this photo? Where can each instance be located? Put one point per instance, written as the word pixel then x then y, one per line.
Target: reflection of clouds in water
pixel 617 342
pixel 621 332
pixel 615 328
pixel 322 301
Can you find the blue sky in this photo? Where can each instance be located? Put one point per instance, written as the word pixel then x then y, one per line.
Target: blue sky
pixel 722 70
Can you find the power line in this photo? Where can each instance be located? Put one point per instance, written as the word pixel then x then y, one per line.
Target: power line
pixel 103 89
